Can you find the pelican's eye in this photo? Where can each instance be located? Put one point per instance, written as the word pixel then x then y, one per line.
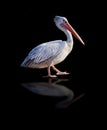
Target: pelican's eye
pixel 64 21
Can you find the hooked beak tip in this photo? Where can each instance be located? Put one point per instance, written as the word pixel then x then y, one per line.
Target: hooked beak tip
pixel 83 43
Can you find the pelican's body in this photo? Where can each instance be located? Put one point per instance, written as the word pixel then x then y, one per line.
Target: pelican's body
pixel 48 54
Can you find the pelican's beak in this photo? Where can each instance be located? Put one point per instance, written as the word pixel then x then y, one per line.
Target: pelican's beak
pixel 70 28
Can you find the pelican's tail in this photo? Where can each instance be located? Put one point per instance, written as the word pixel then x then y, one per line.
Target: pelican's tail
pixel 27 62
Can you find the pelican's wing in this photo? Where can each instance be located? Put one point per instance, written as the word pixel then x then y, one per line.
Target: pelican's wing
pixel 44 51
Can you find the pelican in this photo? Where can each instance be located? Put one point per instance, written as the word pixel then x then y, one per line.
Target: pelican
pixel 48 54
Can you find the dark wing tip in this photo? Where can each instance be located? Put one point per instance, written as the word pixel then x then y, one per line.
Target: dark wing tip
pixel 27 63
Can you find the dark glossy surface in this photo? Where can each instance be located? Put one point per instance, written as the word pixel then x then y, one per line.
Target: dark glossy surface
pixel 64 93
pixel 53 90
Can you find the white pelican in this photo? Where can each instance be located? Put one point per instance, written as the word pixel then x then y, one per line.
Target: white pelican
pixel 48 54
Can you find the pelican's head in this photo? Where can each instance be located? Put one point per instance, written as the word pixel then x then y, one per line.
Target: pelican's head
pixel 63 24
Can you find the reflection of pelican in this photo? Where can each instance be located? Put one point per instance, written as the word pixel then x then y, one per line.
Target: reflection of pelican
pixel 49 88
pixel 52 89
pixel 68 101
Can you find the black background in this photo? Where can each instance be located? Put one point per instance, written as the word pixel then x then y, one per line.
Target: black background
pixel 34 25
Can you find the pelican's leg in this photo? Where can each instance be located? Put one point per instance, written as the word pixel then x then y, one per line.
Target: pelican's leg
pixel 59 72
pixel 49 73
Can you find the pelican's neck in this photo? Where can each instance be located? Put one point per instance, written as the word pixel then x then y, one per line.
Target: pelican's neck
pixel 69 37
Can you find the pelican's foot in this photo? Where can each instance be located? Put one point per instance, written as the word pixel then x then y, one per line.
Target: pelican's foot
pixel 62 73
pixel 50 76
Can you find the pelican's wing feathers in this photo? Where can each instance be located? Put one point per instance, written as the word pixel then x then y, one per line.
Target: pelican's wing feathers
pixel 45 51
